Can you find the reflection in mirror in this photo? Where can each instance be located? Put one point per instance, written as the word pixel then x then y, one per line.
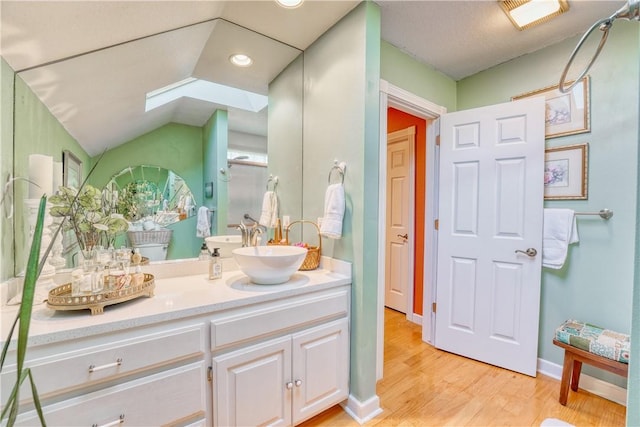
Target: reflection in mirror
pixel 91 108
pixel 144 193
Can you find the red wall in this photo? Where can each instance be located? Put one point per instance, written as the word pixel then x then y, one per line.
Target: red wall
pixel 398 120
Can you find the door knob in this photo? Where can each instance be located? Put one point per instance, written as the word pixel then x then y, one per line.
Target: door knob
pixel 289 385
pixel 530 252
pixel 404 236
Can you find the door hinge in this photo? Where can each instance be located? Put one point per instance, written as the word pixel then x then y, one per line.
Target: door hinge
pixel 436 224
pixel 210 374
pixel 434 306
pixel 437 140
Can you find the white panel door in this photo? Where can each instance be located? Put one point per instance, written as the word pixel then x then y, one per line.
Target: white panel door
pixel 490 208
pixel 250 385
pixel 398 271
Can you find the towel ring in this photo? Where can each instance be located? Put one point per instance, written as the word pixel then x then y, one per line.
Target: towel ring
pixel 340 171
pixel 274 180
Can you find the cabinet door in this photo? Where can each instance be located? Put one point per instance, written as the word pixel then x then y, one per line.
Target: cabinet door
pixel 250 385
pixel 320 369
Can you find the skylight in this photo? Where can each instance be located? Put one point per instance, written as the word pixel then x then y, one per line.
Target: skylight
pixel 206 91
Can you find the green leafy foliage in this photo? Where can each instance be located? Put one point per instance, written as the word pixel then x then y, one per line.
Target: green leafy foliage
pixel 87 215
pixel 34 266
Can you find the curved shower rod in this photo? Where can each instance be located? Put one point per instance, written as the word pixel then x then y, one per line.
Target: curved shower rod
pixel 630 11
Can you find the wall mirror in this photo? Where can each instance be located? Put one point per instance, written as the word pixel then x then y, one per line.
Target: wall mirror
pixel 145 191
pixel 109 97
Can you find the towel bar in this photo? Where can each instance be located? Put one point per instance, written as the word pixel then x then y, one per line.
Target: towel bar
pixel 603 213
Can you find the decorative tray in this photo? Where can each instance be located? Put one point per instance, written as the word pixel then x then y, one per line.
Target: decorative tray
pixel 60 297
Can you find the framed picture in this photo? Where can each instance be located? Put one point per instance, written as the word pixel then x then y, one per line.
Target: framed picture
pixel 71 170
pixel 565 172
pixel 565 113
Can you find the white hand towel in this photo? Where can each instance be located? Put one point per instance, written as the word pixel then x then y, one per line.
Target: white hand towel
pixel 203 227
pixel 559 231
pixel 334 206
pixel 269 213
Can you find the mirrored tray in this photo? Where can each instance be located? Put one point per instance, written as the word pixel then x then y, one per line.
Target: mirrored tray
pixel 60 297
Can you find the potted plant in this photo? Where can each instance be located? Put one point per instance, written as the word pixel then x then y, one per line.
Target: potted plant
pixel 88 217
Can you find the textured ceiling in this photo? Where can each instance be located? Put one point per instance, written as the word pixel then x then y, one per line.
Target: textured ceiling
pixel 92 62
pixel 461 38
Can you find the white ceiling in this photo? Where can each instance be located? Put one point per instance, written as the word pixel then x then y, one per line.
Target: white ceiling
pixel 98 97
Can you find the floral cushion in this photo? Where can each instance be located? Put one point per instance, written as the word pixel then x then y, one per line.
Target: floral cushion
pixel 594 339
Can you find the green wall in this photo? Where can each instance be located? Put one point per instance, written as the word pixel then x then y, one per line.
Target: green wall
pixel 6 168
pixel 35 131
pixel 346 60
pixel 596 282
pixel 173 146
pixel 214 153
pixel 405 72
pixel 633 396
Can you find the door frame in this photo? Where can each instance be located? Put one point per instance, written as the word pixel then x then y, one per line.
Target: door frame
pixel 393 96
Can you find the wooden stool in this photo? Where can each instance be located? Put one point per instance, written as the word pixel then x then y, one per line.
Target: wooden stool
pixel 573 360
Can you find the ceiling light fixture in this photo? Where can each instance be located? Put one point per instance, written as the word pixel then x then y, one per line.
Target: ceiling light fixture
pixel 241 60
pixel 289 4
pixel 527 13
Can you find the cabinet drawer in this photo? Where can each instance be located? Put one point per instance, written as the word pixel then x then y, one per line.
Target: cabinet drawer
pixel 165 398
pixel 278 317
pixel 94 364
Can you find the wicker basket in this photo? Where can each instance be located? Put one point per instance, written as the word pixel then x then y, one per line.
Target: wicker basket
pixel 312 260
pixel 138 238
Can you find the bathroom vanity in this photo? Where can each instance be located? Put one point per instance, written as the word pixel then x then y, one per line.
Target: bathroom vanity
pixel 198 353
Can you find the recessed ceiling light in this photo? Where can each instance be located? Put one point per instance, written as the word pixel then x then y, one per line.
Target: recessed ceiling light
pixel 289 4
pixel 241 60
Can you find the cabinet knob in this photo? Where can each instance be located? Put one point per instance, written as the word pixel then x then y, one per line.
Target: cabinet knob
pixel 298 383
pixel 289 385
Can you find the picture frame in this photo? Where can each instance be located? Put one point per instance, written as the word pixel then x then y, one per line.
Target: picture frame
pixel 565 172
pixel 71 170
pixel 565 113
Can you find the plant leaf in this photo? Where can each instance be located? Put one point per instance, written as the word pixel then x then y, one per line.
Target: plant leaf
pixel 28 290
pixel 36 398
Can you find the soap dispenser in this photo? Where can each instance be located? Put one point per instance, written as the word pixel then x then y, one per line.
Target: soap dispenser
pixel 204 252
pixel 215 266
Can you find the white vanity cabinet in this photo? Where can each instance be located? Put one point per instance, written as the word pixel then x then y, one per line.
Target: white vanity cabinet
pixel 199 353
pixel 293 362
pixel 142 376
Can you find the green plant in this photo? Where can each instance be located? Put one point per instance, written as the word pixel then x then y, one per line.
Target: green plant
pixel 139 199
pixel 91 221
pixel 34 267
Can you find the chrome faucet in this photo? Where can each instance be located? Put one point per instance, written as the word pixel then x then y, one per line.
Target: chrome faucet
pixel 249 234
pixel 254 232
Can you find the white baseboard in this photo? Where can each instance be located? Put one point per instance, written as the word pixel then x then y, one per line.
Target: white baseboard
pixel 362 411
pixel 415 318
pixel 592 385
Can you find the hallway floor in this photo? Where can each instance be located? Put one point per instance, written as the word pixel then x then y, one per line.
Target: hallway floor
pixel 424 386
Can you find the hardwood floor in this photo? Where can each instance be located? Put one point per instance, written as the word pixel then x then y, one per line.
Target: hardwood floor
pixel 424 386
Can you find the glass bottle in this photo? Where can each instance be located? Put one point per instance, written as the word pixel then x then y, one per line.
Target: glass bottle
pixel 215 266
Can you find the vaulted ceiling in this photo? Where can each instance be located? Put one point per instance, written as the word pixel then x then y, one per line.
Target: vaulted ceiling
pixel 93 62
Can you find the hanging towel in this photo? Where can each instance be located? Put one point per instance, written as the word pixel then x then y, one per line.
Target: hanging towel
pixel 334 205
pixel 269 213
pixel 559 231
pixel 203 227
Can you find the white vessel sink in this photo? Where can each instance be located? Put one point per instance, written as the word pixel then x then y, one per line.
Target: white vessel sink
pixel 269 265
pixel 225 243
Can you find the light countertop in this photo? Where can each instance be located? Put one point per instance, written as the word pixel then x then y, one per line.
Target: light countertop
pixel 181 290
